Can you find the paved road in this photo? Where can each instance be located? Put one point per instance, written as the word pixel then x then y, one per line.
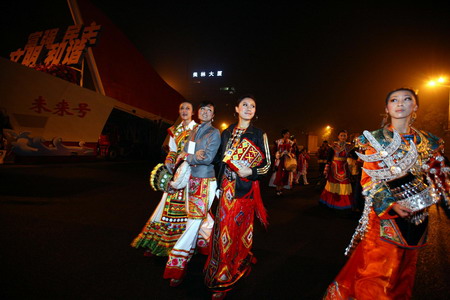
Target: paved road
pixel 65 231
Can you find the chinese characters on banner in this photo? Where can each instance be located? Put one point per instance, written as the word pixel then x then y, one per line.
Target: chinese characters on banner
pixel 42 47
pixel 207 74
pixel 62 108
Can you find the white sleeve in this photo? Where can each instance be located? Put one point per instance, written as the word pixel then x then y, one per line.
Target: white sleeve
pixel 172 144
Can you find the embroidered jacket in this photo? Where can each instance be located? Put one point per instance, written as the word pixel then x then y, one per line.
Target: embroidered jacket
pixel 178 136
pixel 259 138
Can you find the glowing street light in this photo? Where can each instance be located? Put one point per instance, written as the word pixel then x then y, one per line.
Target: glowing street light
pixel 223 126
pixel 441 81
pixel 327 132
pixel 438 82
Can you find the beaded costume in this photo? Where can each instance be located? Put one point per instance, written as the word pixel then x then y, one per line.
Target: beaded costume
pixel 404 169
pixel 282 177
pixel 168 221
pixel 240 199
pixel 200 196
pixel 338 189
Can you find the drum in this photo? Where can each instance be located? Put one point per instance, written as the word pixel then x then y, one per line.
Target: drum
pixel 290 163
pixel 160 178
pixel 181 176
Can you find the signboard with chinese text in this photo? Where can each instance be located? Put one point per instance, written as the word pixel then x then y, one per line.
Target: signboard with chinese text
pixel 42 107
pixel 44 47
pixel 207 74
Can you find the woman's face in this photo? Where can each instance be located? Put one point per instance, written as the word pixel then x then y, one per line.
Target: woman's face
pixel 401 104
pixel 342 137
pixel 206 113
pixel 246 109
pixel 186 111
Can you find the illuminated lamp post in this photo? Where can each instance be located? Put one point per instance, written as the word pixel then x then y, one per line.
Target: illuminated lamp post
pixel 327 132
pixel 441 82
pixel 223 126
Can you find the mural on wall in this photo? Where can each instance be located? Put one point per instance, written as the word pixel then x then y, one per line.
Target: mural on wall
pixel 25 144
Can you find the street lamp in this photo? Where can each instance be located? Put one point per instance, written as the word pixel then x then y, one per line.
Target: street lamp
pixel 441 81
pixel 327 132
pixel 223 126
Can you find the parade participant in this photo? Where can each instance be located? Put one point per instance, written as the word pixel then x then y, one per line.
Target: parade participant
pixel 282 178
pixel 295 147
pixel 3 142
pixel 199 153
pixel 168 221
pixel 355 165
pixel 295 151
pixel 403 175
pixel 322 156
pixel 302 165
pixel 337 193
pixel 240 199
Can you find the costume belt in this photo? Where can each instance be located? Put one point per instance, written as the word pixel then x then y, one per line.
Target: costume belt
pixel 419 201
pixel 412 192
pixel 340 158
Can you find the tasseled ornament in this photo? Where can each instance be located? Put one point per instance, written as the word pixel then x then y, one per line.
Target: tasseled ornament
pixel 362 226
pixel 438 176
pixel 258 204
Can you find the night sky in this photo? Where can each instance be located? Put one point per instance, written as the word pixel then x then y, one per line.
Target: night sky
pixel 309 65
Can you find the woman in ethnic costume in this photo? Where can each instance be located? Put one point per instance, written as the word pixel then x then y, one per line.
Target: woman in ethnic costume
pixel 282 178
pixel 403 174
pixel 337 193
pixel 168 221
pixel 295 151
pixel 199 153
pixel 240 199
pixel 302 165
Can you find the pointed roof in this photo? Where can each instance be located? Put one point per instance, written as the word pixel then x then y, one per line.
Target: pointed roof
pixel 125 73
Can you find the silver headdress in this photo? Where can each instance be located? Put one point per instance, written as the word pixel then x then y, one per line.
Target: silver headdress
pixel 392 169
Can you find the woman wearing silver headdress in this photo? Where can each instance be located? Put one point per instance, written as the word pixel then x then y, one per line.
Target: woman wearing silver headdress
pixel 403 175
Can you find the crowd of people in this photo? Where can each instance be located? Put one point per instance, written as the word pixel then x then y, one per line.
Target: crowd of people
pixel 390 176
pixel 291 163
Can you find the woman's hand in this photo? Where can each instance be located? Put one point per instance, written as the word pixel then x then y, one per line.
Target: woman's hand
pixel 401 210
pixel 244 172
pixel 170 167
pixel 200 154
pixel 182 156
